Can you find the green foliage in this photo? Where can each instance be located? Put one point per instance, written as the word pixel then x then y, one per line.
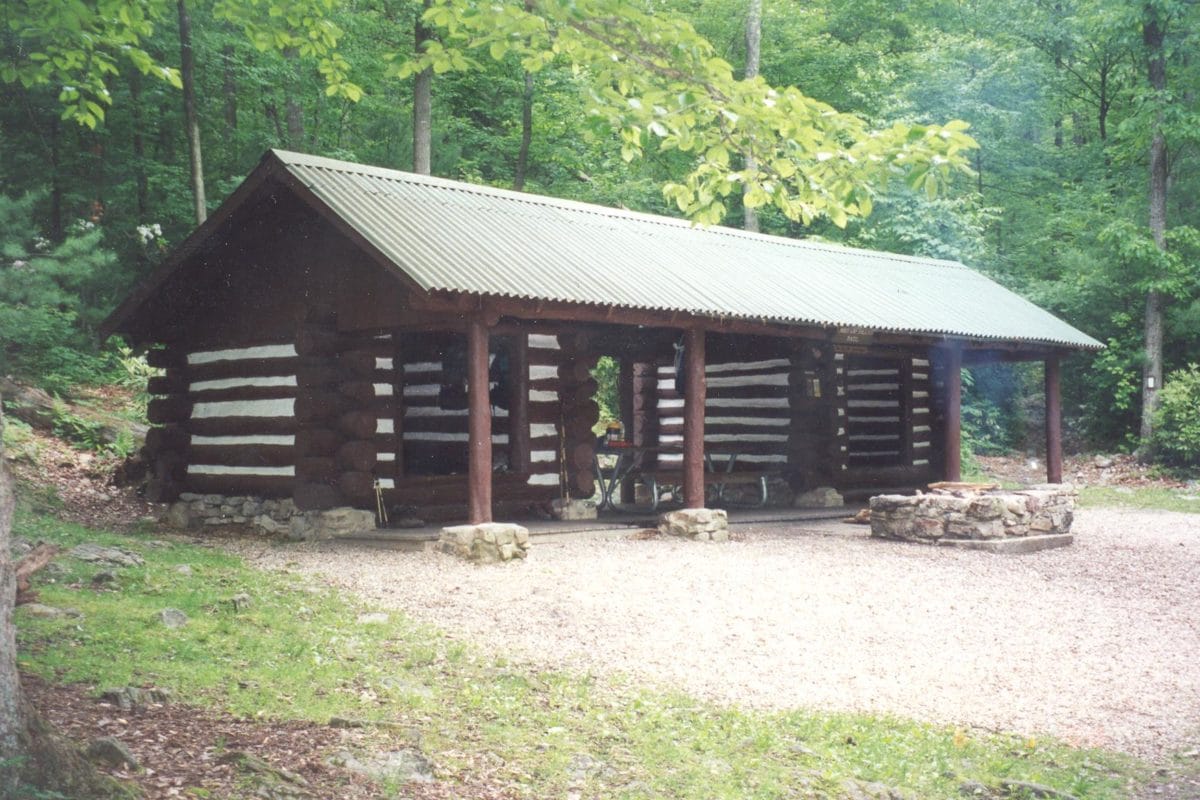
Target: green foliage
pixel 298 652
pixel 51 298
pixel 607 376
pixel 1176 438
pixel 992 419
pixel 658 83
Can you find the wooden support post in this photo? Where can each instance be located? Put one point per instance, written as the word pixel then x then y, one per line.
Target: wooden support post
pixel 625 411
pixel 479 425
pixel 518 405
pixel 693 418
pixel 1053 421
pixel 953 430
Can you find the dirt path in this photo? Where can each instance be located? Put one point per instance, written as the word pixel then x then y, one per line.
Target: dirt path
pixel 1097 644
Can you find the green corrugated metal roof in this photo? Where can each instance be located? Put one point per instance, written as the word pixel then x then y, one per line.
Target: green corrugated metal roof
pixel 460 237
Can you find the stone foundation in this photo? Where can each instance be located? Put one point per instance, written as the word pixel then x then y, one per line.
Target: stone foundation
pixel 820 497
pixel 192 511
pixel 486 543
pixel 699 524
pixel 272 517
pixel 1039 516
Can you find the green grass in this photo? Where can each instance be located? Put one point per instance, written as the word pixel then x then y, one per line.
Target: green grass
pixel 299 652
pixel 1148 497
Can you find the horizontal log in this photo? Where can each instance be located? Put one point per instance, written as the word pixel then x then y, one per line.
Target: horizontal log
pixel 357 425
pixel 244 393
pixel 175 383
pixel 357 456
pixel 318 340
pixel 165 410
pixel 316 496
pixel 861 447
pixel 243 368
pixel 857 427
pixel 449 424
pixel 358 392
pixel 356 486
pixel 243 455
pixel 317 442
pixel 165 357
pixel 168 437
pixel 256 485
pixel 874 362
pixel 241 426
pixel 169 467
pixel 358 363
pixel 319 374
pixel 321 313
pixel 316 469
pixel 317 406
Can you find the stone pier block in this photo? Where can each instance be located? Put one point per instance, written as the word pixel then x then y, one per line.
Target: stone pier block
pixel 573 509
pixel 486 543
pixel 700 524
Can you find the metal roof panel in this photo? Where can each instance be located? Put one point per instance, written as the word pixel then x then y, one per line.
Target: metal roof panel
pixel 461 237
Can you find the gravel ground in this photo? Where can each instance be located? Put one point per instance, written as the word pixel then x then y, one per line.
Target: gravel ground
pixel 1097 644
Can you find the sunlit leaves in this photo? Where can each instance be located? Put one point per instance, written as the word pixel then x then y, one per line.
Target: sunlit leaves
pixel 80 46
pixel 658 83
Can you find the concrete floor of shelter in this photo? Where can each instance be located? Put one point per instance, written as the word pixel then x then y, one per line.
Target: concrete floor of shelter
pixel 614 524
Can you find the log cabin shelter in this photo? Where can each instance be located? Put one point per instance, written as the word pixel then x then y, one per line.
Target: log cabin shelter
pixel 334 330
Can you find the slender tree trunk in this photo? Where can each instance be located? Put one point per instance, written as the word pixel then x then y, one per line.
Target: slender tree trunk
pixel 56 190
pixel 191 121
pixel 292 110
pixel 229 90
pixel 10 682
pixel 422 103
pixel 753 50
pixel 1153 34
pixel 139 144
pixel 526 126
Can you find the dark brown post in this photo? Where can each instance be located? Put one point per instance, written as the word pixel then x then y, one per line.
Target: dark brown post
pixel 479 425
pixel 625 411
pixel 693 419
pixel 1053 422
pixel 518 405
pixel 953 413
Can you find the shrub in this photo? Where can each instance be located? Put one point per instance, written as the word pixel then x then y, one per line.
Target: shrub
pixel 1176 440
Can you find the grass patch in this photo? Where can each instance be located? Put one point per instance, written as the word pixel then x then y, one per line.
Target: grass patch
pixel 299 651
pixel 1142 497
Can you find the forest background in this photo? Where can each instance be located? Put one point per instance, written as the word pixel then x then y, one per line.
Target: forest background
pixel 1082 194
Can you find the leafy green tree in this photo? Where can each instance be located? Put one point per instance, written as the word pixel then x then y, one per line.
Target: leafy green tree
pixel 655 80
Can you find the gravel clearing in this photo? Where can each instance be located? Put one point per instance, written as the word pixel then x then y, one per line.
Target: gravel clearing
pixel 1097 644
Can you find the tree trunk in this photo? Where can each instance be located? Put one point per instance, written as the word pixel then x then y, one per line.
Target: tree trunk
pixel 191 121
pixel 229 90
pixel 526 126
pixel 1153 34
pixel 10 684
pixel 139 145
pixel 422 103
pixel 753 43
pixel 526 134
pixel 293 111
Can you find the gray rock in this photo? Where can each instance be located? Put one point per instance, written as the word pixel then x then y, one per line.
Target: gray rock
pixel 399 766
pixel 180 515
pixel 267 524
pixel 183 569
pixel 172 618
pixel 43 611
pixel 104 576
pixel 241 601
pixel 373 618
pixel 864 790
pixel 129 698
pixel 113 752
pixel 106 555
pixel 346 723
pixel 20 546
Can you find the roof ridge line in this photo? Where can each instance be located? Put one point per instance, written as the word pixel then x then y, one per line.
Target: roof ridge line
pixel 288 157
